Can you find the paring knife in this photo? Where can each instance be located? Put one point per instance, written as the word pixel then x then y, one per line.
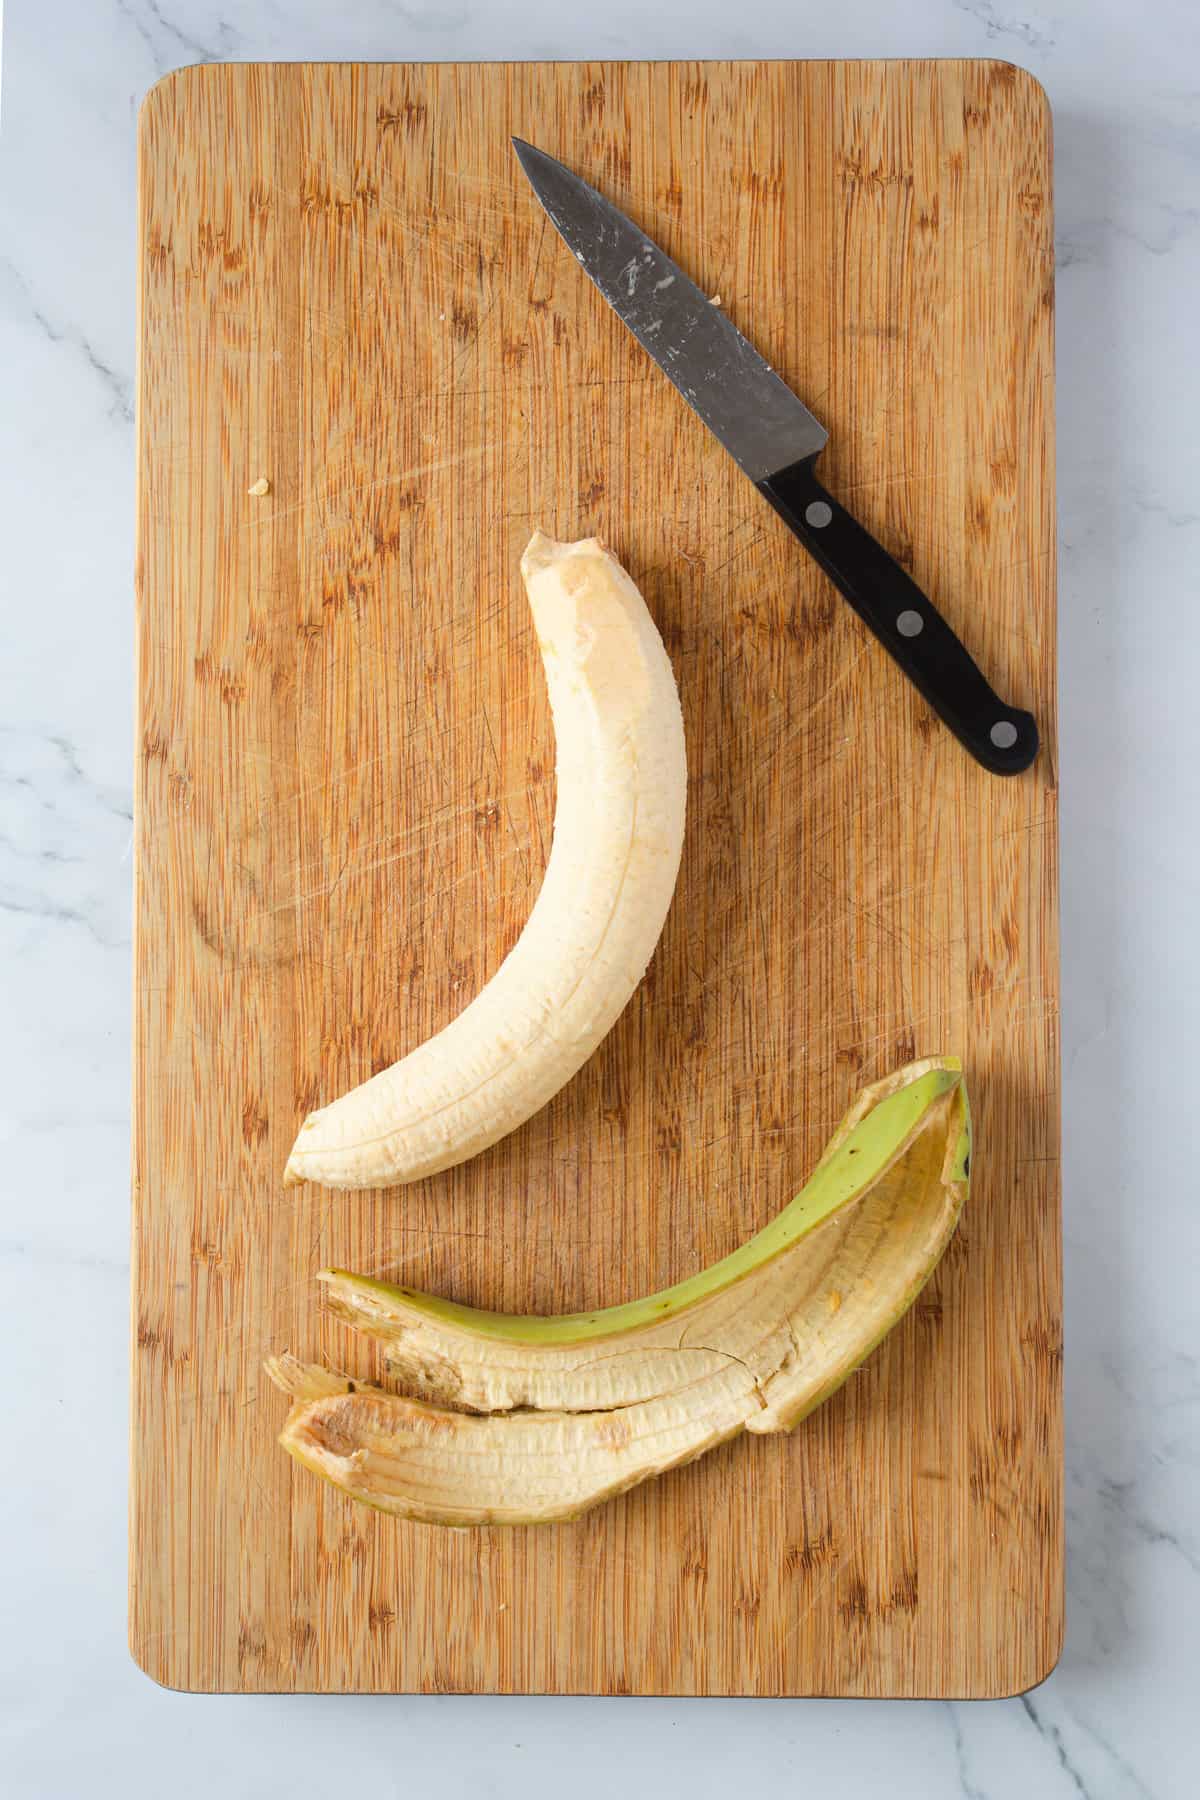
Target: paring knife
pixel 776 441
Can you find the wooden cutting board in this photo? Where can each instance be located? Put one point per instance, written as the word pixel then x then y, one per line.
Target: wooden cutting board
pixel 344 802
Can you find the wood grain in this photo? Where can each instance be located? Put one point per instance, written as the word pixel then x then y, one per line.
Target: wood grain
pixel 344 801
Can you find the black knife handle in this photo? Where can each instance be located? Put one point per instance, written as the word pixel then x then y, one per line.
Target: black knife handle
pixel 1003 738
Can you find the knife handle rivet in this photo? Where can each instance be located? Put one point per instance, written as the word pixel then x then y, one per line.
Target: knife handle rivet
pixel 818 513
pixel 1003 734
pixel 910 624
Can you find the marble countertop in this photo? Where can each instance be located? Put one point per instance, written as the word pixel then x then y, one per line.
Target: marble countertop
pixel 1118 1718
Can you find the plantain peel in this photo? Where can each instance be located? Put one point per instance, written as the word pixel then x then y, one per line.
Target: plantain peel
pixel 506 1420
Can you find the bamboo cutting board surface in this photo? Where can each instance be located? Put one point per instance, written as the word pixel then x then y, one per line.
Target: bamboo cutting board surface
pixel 344 803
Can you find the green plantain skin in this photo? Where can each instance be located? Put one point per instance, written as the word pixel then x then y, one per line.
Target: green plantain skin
pixel 855 1158
pixel 500 1422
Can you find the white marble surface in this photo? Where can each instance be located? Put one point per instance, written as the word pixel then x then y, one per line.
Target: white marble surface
pixel 1119 1717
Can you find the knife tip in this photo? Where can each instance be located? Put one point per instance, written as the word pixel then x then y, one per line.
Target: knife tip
pixel 535 162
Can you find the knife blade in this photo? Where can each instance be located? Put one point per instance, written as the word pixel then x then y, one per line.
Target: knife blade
pixel 775 440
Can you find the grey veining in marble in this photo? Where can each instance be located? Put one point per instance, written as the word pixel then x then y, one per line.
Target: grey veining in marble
pixel 1119 1719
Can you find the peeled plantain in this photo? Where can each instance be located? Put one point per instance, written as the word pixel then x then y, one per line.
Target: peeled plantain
pixel 621 783
pixel 508 1420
